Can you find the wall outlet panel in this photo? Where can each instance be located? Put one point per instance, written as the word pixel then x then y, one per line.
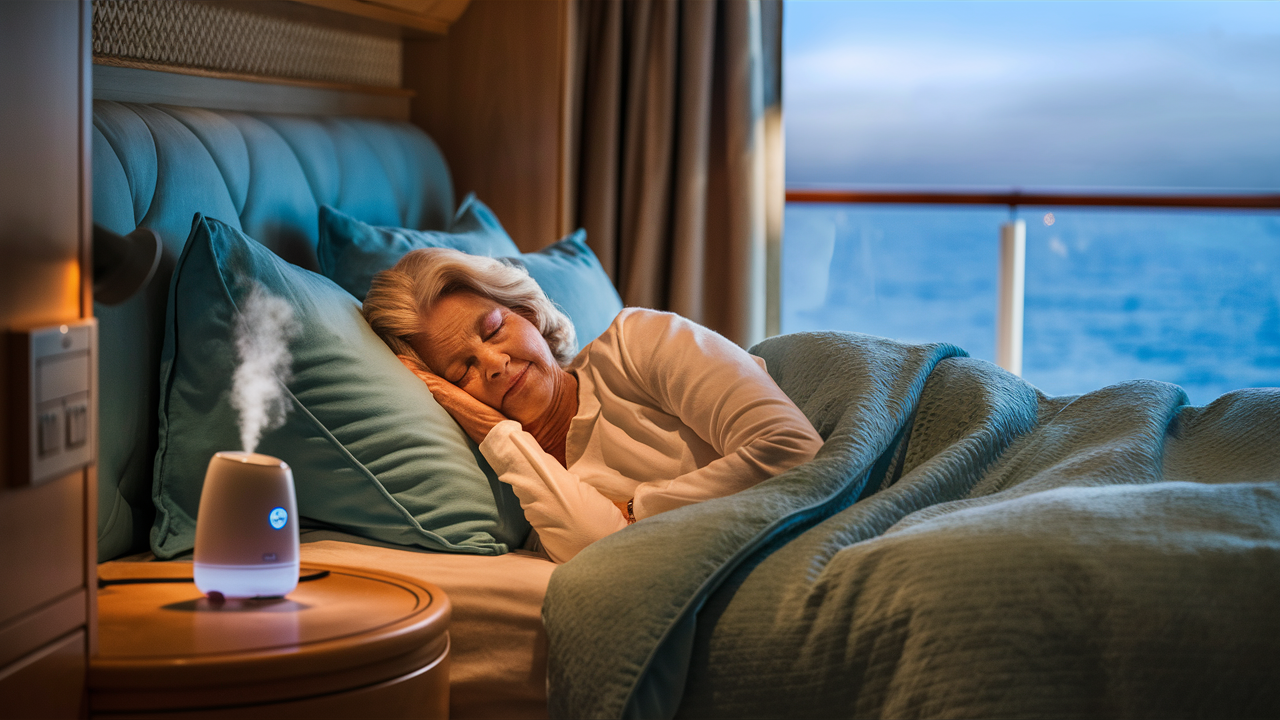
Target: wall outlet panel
pixel 54 393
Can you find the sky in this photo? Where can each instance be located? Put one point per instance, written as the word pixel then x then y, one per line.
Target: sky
pixel 1150 96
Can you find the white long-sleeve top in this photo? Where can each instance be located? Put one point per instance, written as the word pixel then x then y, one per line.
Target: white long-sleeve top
pixel 669 413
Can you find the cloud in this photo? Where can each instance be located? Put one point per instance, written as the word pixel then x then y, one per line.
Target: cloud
pixel 1190 110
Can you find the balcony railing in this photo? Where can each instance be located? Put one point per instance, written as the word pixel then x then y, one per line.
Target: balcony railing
pixel 1015 198
pixel 1012 256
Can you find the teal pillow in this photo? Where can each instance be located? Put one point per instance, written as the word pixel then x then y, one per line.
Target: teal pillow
pixel 573 278
pixel 350 251
pixel 371 451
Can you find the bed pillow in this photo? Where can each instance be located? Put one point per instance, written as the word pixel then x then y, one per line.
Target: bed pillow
pixel 371 451
pixel 573 278
pixel 350 251
pixel 568 271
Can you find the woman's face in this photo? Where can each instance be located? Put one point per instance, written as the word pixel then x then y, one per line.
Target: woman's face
pixel 490 351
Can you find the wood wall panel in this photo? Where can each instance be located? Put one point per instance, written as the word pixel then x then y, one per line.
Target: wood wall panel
pixel 49 683
pixel 491 94
pixel 27 634
pixel 225 92
pixel 41 544
pixel 39 171
pixel 47 532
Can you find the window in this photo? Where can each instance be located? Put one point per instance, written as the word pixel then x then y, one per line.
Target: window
pixel 1141 99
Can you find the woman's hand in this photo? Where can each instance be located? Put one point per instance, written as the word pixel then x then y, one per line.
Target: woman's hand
pixel 624 507
pixel 476 418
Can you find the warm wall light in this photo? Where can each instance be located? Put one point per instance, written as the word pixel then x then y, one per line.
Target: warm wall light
pixel 71 288
pixel 123 264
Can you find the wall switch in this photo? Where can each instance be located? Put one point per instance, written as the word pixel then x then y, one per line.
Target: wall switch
pixel 53 395
pixel 77 424
pixel 47 426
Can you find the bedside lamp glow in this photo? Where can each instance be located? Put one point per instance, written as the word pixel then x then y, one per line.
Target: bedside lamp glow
pixel 247 527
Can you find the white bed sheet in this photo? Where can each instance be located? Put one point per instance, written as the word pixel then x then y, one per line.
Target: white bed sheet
pixel 498 653
pixel 498 657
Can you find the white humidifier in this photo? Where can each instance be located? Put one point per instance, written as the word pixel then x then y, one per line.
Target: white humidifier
pixel 247 527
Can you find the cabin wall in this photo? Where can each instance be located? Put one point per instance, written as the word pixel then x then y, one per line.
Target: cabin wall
pixel 47 532
pixel 492 94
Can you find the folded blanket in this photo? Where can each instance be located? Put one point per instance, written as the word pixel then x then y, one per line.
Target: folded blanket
pixel 961 546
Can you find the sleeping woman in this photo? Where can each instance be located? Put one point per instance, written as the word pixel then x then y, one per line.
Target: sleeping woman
pixel 656 413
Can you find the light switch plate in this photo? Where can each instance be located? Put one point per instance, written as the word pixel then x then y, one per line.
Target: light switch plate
pixel 54 396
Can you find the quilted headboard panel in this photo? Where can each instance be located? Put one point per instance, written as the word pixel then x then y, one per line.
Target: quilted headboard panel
pixel 156 166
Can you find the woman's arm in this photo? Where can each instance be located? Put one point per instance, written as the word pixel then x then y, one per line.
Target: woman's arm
pixel 724 395
pixel 567 513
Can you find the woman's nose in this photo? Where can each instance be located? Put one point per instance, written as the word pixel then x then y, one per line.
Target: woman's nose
pixel 494 363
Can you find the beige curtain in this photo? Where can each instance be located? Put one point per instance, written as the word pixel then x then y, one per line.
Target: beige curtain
pixel 669 156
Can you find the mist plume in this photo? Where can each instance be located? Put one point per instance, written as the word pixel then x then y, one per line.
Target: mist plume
pixel 263 330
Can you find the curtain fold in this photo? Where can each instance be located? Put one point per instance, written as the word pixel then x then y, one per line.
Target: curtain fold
pixel 669 180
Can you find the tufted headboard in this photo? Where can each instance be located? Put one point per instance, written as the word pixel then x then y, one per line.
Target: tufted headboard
pixel 155 166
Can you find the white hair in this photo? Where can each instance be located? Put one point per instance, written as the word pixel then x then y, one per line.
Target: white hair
pixel 400 297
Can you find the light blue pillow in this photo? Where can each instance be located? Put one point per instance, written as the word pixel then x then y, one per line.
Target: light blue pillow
pixel 573 278
pixel 371 451
pixel 350 251
pixel 568 271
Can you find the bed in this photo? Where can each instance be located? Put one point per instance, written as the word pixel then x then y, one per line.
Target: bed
pixel 156 167
pixel 962 546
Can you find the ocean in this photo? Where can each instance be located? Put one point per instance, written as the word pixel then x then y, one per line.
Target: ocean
pixel 1187 297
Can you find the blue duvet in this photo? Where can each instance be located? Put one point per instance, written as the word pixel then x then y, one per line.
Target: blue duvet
pixel 962 546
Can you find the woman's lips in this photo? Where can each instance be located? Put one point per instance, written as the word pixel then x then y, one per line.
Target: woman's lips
pixel 516 384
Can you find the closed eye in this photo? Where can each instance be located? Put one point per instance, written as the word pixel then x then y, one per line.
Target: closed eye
pixel 491 324
pixel 488 328
pixel 463 376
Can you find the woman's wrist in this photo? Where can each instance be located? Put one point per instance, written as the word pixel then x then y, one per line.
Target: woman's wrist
pixel 628 513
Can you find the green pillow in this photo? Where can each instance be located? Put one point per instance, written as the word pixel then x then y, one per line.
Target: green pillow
pixel 351 252
pixel 371 451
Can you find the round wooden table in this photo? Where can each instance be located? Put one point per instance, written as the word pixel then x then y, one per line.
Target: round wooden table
pixel 351 643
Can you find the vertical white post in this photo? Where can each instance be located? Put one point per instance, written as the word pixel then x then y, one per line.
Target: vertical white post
pixel 1013 266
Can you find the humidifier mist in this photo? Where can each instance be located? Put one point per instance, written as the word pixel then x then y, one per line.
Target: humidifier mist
pixel 264 326
pixel 247 527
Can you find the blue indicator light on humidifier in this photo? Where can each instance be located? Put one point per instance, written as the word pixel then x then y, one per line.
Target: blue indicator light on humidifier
pixel 278 517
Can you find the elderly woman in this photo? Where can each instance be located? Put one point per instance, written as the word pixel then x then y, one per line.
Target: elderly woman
pixel 656 413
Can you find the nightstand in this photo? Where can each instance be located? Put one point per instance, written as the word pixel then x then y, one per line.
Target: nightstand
pixel 352 643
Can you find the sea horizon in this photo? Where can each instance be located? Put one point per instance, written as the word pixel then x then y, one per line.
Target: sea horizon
pixel 1183 296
